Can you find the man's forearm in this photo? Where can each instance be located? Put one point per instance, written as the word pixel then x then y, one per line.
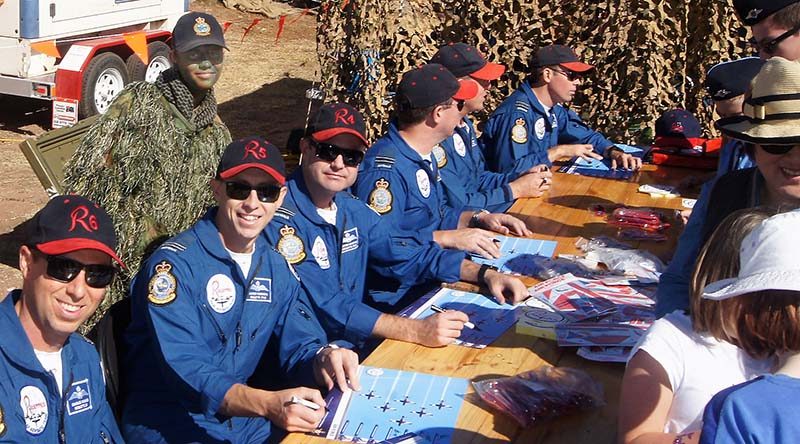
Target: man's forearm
pixel 395 327
pixel 241 400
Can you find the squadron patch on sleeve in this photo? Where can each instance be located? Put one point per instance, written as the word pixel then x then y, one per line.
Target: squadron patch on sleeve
pixel 291 246
pixel 439 155
pixel 519 133
pixel 163 285
pixel 380 199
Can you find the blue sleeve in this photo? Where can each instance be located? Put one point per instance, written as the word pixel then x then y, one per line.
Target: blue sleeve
pixel 574 130
pixel 724 421
pixel 366 184
pixel 409 259
pixel 459 196
pixel 673 287
pixel 186 360
pixel 450 217
pixel 503 154
pixel 103 415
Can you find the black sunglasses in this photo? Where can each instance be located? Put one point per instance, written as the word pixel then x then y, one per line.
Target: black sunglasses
pixel 241 191
pixel 777 149
pixel 771 46
pixel 570 75
pixel 329 152
pixel 65 270
pixel 211 53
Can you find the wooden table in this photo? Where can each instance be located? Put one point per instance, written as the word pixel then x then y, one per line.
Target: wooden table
pixel 562 215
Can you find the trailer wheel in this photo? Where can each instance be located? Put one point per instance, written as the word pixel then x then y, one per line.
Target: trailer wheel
pixel 158 52
pixel 103 79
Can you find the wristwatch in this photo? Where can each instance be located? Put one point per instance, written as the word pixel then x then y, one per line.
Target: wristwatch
pixel 331 346
pixel 474 221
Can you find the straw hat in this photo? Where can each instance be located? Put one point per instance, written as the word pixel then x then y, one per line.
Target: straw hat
pixel 772 109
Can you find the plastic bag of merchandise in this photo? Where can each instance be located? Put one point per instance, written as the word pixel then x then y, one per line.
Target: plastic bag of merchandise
pixel 542 394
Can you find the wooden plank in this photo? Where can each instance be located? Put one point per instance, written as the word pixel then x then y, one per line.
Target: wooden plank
pixel 562 215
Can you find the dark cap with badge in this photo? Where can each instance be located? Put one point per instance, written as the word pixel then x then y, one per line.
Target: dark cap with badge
pixel 430 85
pixel 196 29
pixel 559 55
pixel 252 152
pixel 678 128
pixel 464 60
pixel 731 79
pixel 70 223
pixel 754 11
pixel 333 119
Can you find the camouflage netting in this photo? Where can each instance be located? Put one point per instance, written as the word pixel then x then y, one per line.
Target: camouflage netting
pixel 651 55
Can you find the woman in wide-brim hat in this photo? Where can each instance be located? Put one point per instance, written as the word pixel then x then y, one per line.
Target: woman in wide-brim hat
pixel 770 128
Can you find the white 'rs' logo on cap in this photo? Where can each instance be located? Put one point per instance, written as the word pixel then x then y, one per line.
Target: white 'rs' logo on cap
pixel 753 14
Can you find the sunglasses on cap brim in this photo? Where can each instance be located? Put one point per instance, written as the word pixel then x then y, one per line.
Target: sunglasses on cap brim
pixel 241 191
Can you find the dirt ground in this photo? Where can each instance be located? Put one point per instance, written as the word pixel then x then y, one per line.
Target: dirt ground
pixel 261 91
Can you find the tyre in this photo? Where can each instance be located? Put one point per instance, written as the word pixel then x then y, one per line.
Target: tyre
pixel 103 79
pixel 158 53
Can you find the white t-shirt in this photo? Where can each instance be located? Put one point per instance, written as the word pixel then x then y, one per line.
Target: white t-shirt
pixel 243 259
pixel 51 361
pixel 328 214
pixel 697 365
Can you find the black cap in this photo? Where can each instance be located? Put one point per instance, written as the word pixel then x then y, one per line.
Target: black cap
pixel 252 152
pixel 730 79
pixel 431 84
pixel 754 11
pixel 333 119
pixel 196 29
pixel 464 60
pixel 70 223
pixel 558 55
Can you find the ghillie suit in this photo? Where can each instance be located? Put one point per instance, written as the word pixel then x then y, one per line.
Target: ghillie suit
pixel 147 162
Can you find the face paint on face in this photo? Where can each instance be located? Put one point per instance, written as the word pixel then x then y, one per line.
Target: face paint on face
pixel 200 67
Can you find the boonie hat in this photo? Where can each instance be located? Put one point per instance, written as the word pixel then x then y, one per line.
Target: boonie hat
pixel 196 29
pixel 727 80
pixel 252 152
pixel 771 109
pixel 464 60
pixel 753 11
pixel 768 260
pixel 70 223
pixel 337 118
pixel 559 55
pixel 431 84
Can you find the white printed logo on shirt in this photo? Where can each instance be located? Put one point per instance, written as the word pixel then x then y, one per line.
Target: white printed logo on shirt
pixel 539 128
pixel 320 253
pixel 34 409
pixel 423 183
pixel 350 240
pixel 458 142
pixel 220 293
pixel 79 397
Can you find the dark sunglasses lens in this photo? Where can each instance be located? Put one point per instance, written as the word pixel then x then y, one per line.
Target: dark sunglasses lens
pixel 99 276
pixel 238 191
pixel 777 149
pixel 460 105
pixel 352 157
pixel 62 269
pixel 268 193
pixel 329 153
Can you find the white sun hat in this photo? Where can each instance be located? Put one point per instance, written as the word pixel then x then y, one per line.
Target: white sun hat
pixel 769 259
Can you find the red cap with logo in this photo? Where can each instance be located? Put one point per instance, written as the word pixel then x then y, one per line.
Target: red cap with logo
pixel 70 223
pixel 252 152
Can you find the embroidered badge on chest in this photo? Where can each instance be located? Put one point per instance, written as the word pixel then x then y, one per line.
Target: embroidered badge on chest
pixel 423 183
pixel 519 133
pixel 350 240
pixel 539 128
pixel 320 253
pixel 439 155
pixel 380 199
pixel 163 285
pixel 220 293
pixel 34 409
pixel 260 290
pixel 79 397
pixel 291 246
pixel 460 146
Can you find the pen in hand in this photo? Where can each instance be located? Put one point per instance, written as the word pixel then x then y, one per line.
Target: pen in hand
pixel 312 405
pixel 467 324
